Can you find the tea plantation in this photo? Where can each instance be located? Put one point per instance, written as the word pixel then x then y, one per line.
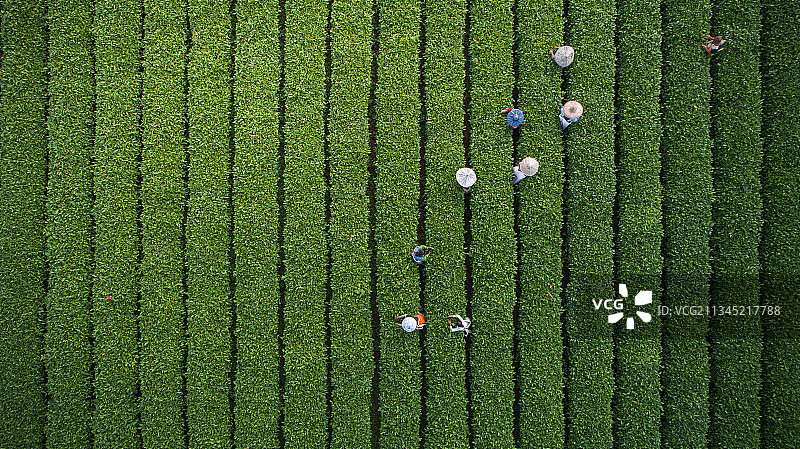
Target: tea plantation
pixel 208 209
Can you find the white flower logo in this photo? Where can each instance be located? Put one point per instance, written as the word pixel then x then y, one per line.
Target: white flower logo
pixel 642 298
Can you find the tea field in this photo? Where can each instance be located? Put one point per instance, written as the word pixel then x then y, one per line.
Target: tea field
pixel 208 208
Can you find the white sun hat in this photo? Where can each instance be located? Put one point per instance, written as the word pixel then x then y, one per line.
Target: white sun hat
pixel 466 177
pixel 529 166
pixel 564 56
pixel 572 109
pixel 409 324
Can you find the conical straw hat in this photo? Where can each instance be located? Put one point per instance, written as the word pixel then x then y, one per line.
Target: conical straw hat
pixel 466 177
pixel 409 324
pixel 529 166
pixel 564 56
pixel 573 109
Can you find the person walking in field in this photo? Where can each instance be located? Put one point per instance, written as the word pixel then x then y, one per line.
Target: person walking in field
pixel 420 254
pixel 465 177
pixel 570 113
pixel 514 117
pixel 713 45
pixel 563 56
pixel 411 323
pixel 461 324
pixel 527 167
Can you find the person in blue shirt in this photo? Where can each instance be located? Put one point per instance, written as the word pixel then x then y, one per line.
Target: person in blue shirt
pixel 570 113
pixel 420 254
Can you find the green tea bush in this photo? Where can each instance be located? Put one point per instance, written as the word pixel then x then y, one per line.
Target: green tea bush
pixel 256 218
pixel 163 201
pixel 396 211
pixel 305 241
pixel 687 196
pixel 639 227
pixel 780 422
pixel 351 348
pixel 207 226
pixel 540 345
pixel 736 112
pixel 68 229
pixel 117 41
pixel 589 200
pixel 493 251
pixel 446 405
pixel 23 179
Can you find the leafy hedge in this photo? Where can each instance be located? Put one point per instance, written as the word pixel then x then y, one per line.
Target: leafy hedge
pixel 163 193
pixel 540 343
pixel 352 363
pixel 68 228
pixel 589 210
pixel 396 211
pixel 445 293
pixel 780 423
pixel 255 237
pixel 23 180
pixel 640 231
pixel 117 41
pixel 687 192
pixel 207 227
pixel 493 250
pixel 736 113
pixel 305 247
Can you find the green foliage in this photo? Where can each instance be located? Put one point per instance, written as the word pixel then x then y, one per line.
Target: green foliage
pixel 444 225
pixel 163 336
pixel 117 34
pixel 493 250
pixel 207 227
pixel 639 235
pixel 704 404
pixel 67 350
pixel 256 224
pixel 351 349
pixel 687 190
pixel 780 246
pixel 540 347
pixel 589 200
pixel 736 112
pixel 305 241
pixel 396 211
pixel 22 201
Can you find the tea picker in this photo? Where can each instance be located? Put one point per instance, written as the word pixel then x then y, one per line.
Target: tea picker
pixel 420 254
pixel 713 45
pixel 461 324
pixel 563 55
pixel 411 323
pixel 514 117
pixel 570 113
pixel 466 178
pixel 527 167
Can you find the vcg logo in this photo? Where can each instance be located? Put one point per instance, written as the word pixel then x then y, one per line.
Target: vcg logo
pixel 642 298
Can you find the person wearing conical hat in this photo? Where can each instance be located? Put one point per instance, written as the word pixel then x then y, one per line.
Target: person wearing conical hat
pixel 461 325
pixel 420 254
pixel 410 323
pixel 527 167
pixel 713 45
pixel 514 117
pixel 563 55
pixel 465 177
pixel 570 113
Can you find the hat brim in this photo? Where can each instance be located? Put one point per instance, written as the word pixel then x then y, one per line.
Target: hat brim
pixel 573 109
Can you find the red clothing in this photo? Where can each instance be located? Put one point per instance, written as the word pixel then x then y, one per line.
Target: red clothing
pixel 420 319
